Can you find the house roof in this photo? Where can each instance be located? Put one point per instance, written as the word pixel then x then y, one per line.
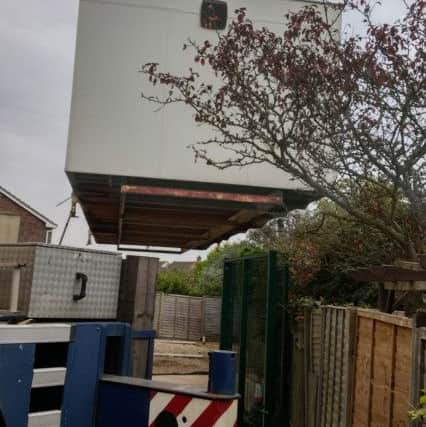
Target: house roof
pixel 49 224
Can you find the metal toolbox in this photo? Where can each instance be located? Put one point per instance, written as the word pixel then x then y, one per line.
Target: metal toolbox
pixel 47 281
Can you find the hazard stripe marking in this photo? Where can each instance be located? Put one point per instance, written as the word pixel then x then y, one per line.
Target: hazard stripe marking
pixel 178 404
pixel 193 411
pixel 158 403
pixel 213 412
pixel 229 417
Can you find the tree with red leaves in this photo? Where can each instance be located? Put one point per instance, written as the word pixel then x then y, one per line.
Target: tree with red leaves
pixel 345 116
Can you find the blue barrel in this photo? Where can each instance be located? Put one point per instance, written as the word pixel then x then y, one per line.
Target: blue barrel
pixel 222 372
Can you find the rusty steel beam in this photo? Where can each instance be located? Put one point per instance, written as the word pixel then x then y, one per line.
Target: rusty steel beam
pixel 168 223
pixel 149 212
pixel 158 233
pixel 166 228
pixel 256 199
pixel 176 251
pixel 159 242
pixel 182 217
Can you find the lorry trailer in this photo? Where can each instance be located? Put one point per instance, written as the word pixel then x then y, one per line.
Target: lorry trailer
pixel 79 375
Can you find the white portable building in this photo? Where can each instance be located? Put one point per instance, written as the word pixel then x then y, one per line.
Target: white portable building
pixel 130 165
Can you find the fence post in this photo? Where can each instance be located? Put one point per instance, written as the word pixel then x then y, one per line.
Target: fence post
pixel 307 344
pixel 311 383
pixel 417 365
pixel 137 303
pixel 351 364
pixel 298 368
pixel 227 315
pixel 319 408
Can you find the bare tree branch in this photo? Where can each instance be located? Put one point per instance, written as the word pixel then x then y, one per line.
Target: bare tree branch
pixel 345 117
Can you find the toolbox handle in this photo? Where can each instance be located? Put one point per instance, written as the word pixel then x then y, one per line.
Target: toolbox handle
pixel 82 294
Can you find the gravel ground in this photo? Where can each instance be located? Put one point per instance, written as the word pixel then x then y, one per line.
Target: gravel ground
pixel 165 364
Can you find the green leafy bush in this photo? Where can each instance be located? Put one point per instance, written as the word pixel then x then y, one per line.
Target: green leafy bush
pixel 419 413
pixel 178 281
pixel 322 245
pixel 210 271
pixel 205 278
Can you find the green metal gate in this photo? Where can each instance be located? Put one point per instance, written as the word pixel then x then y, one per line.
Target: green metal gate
pixel 254 324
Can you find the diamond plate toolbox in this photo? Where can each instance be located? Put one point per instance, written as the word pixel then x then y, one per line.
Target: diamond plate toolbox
pixel 62 282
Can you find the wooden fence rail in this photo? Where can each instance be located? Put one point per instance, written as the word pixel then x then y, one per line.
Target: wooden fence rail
pixel 336 367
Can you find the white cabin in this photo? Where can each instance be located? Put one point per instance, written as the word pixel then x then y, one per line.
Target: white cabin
pixel 116 138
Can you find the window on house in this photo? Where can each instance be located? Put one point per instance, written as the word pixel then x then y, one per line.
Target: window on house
pixel 49 234
pixel 9 228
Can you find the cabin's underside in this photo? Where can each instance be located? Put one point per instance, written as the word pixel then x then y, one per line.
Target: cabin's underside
pixel 172 214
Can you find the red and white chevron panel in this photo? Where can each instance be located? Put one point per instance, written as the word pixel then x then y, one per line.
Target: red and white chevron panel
pixel 192 411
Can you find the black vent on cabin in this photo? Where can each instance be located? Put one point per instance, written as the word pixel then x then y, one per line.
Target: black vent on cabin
pixel 214 14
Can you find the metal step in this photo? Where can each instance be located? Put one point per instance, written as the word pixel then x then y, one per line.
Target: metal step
pixel 49 377
pixel 45 419
pixel 24 334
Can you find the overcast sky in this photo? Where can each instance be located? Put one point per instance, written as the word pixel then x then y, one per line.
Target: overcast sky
pixel 37 39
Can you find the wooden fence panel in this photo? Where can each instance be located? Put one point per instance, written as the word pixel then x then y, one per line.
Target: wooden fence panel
pixel 401 384
pixel 211 316
pixel 187 318
pixel 370 369
pixel 182 310
pixel 382 370
pixel 335 379
pixel 316 341
pixel 167 316
pixel 195 321
pixel 382 374
pixel 363 361
pixel 298 413
pixel 312 366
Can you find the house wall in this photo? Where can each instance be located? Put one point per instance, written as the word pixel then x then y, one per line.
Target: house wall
pixel 31 228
